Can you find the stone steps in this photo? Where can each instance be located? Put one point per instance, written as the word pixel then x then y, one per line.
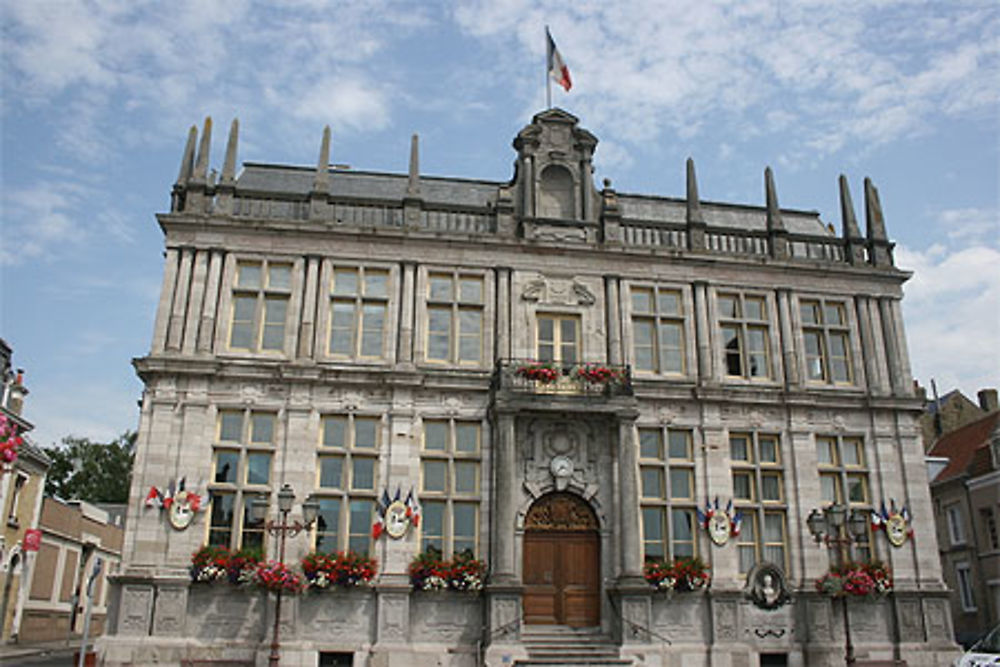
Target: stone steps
pixel 561 646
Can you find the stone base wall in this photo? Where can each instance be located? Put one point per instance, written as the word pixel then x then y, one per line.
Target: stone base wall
pixel 45 626
pixel 392 626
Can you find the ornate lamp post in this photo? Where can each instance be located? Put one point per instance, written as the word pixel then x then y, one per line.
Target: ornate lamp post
pixel 282 529
pixel 836 529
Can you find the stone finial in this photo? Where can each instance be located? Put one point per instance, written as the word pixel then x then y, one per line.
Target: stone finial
pixel 771 195
pixel 187 161
pixel 229 166
pixel 322 180
pixel 879 248
pixel 413 184
pixel 777 235
pixel 693 202
pixel 201 163
pixel 855 253
pixel 873 213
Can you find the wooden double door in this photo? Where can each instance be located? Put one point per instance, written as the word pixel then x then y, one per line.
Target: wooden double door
pixel 562 565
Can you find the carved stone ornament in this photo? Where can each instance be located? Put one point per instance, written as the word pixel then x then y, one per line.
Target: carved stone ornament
pixel 560 511
pixel 766 586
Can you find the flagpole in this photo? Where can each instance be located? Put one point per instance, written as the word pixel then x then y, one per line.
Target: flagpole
pixel 548 79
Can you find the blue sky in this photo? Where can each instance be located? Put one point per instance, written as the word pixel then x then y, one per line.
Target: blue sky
pixel 98 95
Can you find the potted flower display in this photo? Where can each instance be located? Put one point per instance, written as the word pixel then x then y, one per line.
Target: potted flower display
pixel 542 372
pixel 856 580
pixel 344 569
pixel 430 572
pixel 242 565
pixel 210 563
pixel 597 374
pixel 10 441
pixel 683 575
pixel 274 576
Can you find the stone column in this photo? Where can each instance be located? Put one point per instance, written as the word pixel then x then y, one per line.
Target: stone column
pixel 614 322
pixel 404 354
pixel 893 353
pixel 307 331
pixel 505 471
pixel 702 324
pixel 789 348
pixel 197 295
pixel 166 300
pixel 870 325
pixel 175 331
pixel 631 551
pixel 503 313
pixel 206 332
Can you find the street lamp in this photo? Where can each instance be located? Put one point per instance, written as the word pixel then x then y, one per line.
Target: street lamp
pixel 282 529
pixel 835 528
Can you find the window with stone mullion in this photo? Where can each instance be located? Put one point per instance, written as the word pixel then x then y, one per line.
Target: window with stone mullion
pixel 667 494
pixel 260 305
pixel 826 338
pixel 759 494
pixel 346 482
pixel 450 462
pixel 241 471
pixel 358 311
pixel 744 327
pixel 657 330
pixel 843 477
pixel 455 316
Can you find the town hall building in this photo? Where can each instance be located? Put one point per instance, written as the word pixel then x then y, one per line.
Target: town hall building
pixel 575 386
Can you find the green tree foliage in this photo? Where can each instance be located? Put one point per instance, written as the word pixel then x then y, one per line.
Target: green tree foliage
pixel 93 471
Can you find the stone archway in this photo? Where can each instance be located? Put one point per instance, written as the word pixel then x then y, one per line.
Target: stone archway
pixel 562 562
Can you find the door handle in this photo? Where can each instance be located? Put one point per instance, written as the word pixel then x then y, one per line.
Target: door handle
pixel 547 577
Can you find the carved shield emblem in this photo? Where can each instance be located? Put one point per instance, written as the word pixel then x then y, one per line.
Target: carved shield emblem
pixel 718 528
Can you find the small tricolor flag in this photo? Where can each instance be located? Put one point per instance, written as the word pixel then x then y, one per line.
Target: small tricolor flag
pixel 557 68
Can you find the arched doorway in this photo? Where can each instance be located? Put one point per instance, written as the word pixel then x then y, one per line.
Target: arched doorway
pixel 562 562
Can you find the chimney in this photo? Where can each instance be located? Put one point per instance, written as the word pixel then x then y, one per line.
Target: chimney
pixel 988 399
pixel 15 399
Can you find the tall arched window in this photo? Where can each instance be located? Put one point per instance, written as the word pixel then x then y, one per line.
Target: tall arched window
pixel 556 197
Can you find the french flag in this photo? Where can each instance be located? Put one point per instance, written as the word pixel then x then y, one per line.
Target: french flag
pixel 557 68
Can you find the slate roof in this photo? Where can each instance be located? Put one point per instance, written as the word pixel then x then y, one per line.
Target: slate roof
pixel 297 182
pixel 962 448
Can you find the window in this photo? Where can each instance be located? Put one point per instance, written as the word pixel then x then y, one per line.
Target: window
pixel 759 494
pixel 956 529
pixel 346 482
pixel 827 341
pixel 964 576
pixel 558 338
pixel 667 494
pixel 15 501
pixel 843 478
pixel 241 471
pixel 450 486
pixel 359 306
pixel 455 305
pixel 260 306
pixel 657 330
pixel 989 520
pixel 743 322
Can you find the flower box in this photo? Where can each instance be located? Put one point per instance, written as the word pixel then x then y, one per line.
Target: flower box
pixel 343 569
pixel 429 572
pixel 683 575
pixel 856 580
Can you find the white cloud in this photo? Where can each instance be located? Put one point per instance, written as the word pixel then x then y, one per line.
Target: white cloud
pixel 952 304
pixel 38 218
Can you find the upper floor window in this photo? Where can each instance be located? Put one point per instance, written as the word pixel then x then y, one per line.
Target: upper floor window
pixel 667 494
pixel 965 592
pixel 657 330
pixel 359 306
pixel 558 338
pixel 826 336
pixel 455 317
pixel 260 306
pixel 20 481
pixel 241 472
pixel 450 486
pixel 956 526
pixel 346 481
pixel 989 520
pixel 744 325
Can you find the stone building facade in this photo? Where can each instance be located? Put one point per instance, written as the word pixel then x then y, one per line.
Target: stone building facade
pixel 348 333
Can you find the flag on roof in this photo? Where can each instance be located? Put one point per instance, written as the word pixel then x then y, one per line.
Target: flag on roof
pixel 557 68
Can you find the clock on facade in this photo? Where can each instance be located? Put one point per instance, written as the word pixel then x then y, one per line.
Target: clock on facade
pixel 561 466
